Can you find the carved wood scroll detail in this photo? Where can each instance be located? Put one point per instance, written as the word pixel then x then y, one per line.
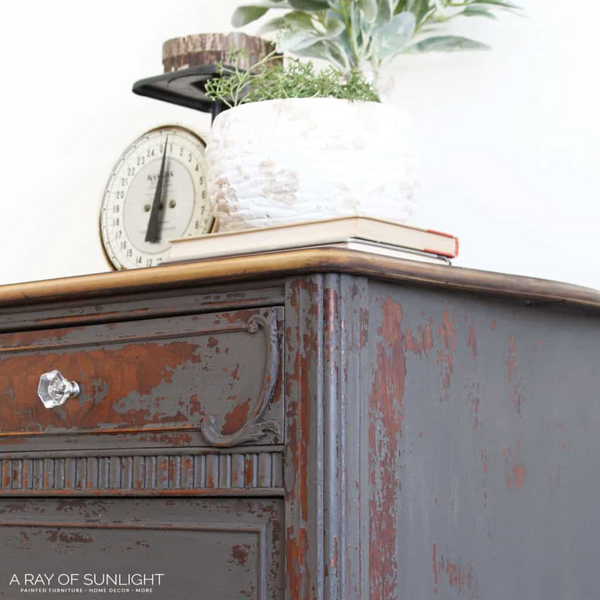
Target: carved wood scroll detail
pixel 254 429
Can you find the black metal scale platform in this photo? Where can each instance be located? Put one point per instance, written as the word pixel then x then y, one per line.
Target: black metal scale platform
pixel 185 87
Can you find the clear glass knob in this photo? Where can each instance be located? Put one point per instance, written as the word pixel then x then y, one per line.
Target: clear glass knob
pixel 54 389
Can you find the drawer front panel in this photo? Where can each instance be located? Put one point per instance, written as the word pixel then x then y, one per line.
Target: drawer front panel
pixel 186 548
pixel 211 379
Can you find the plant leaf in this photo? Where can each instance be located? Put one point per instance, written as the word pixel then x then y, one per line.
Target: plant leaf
pixel 309 5
pixel 419 8
pixel 356 18
pixel 385 11
pixel 276 24
pixel 343 42
pixel 446 43
pixel 294 20
pixel 294 41
pixel 334 24
pixel 330 51
pixel 501 3
pixel 339 55
pixel 251 12
pixel 246 14
pixel 394 37
pixel 369 9
pixel 478 11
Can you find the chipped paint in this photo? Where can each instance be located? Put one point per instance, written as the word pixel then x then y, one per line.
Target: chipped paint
pixel 297 577
pixel 513 467
pixel 240 554
pixel 472 343
pixel 446 361
pixel 236 418
pixel 445 356
pixel 474 404
pixel 518 475
pixel 454 575
pixel 69 538
pixel 304 351
pixel 421 343
pixel 129 386
pixel 516 394
pixel 145 474
pixel 363 328
pixel 241 535
pixel 385 431
pixel 446 332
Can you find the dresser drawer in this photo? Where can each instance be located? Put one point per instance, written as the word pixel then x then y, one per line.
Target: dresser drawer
pixel 199 380
pixel 186 548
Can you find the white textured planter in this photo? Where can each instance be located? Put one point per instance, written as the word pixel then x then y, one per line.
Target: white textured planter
pixel 284 161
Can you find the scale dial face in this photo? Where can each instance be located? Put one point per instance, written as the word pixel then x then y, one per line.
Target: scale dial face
pixel 156 192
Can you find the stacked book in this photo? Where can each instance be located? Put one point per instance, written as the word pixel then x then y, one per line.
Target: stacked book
pixel 363 234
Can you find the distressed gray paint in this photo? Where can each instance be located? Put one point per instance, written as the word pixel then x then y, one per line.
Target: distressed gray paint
pixel 326 474
pixel 217 548
pixel 434 441
pixel 152 472
pixel 167 375
pixel 115 308
pixel 499 446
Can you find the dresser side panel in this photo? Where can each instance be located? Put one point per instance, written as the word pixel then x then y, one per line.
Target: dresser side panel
pixel 483 445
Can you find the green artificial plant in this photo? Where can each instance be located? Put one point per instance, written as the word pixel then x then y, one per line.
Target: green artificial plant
pixel 365 35
pixel 271 79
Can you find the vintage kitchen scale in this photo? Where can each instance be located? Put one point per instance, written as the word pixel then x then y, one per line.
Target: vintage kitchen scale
pixel 157 189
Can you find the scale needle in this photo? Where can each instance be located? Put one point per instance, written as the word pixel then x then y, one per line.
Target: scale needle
pixel 152 232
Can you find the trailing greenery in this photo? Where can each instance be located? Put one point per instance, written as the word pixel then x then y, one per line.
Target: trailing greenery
pixel 365 35
pixel 273 80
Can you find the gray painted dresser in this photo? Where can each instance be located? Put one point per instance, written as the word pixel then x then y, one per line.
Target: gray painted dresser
pixel 316 424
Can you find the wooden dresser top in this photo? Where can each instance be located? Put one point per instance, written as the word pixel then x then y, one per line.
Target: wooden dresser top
pixel 296 262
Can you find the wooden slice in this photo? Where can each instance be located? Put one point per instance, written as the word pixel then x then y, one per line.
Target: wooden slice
pixel 233 49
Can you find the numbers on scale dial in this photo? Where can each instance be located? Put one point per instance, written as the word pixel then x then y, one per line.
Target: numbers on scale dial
pixel 181 199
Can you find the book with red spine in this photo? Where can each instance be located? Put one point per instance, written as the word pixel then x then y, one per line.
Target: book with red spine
pixel 343 230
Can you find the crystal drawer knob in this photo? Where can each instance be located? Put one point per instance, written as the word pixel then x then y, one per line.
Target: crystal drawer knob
pixel 54 389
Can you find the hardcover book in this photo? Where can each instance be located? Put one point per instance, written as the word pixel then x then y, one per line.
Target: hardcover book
pixel 369 233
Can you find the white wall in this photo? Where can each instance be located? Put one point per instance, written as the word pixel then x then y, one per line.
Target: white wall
pixel 509 138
